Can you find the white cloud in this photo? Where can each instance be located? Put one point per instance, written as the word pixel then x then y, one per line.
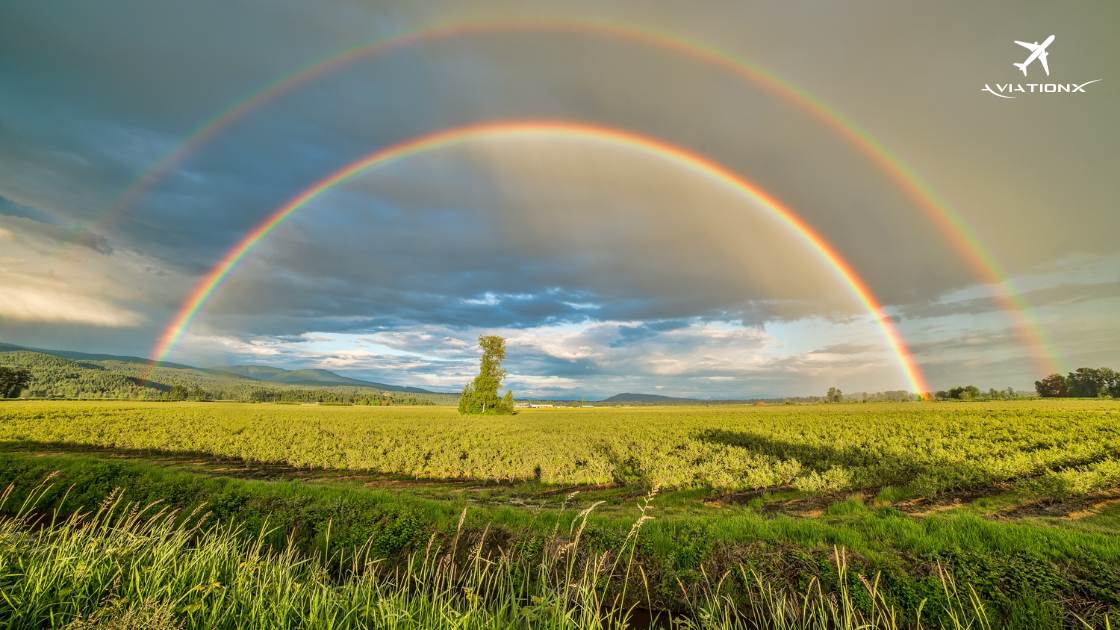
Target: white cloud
pixel 48 305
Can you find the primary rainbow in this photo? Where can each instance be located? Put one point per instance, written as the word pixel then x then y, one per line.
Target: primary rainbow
pixel 537 129
pixel 982 261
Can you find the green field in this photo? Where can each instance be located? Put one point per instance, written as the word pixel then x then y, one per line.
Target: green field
pixel 1018 500
pixel 926 448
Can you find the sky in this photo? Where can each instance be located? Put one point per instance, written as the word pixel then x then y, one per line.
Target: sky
pixel 607 267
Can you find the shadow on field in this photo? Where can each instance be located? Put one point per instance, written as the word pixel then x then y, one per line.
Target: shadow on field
pixel 238 468
pixel 868 467
pixel 72 448
pixel 209 463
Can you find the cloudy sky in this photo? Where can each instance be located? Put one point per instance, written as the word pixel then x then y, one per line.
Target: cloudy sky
pixel 607 268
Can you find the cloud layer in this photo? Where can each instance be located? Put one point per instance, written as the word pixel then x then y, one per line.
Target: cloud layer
pixel 607 268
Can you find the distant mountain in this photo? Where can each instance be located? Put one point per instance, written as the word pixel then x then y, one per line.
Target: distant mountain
pixel 242 373
pixel 617 398
pixel 310 377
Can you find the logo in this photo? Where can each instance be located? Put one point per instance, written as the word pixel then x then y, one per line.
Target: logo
pixel 1038 51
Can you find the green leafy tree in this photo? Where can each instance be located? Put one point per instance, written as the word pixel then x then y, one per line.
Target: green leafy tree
pixel 13 381
pixel 1111 380
pixel 834 395
pixel 966 392
pixel 1085 383
pixel 481 395
pixel 1053 386
pixel 467 399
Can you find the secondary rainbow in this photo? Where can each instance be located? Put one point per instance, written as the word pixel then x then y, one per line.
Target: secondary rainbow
pixel 948 221
pixel 541 129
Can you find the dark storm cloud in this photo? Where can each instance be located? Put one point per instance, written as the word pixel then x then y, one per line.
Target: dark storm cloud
pixel 975 342
pixel 266 159
pixel 1067 293
pixel 628 335
pixel 46 234
pixel 13 209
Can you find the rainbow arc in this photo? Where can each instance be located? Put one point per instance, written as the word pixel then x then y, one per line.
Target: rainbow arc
pixel 987 268
pixel 206 288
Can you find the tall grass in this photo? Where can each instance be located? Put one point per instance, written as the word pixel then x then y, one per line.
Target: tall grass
pixel 124 566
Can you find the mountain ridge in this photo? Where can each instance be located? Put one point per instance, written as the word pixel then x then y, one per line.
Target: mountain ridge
pixel 627 397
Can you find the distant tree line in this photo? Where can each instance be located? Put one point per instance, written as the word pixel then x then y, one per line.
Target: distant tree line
pixel 972 392
pixel 963 392
pixel 383 399
pixel 834 395
pixel 1083 383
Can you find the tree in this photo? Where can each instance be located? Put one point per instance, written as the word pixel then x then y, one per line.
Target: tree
pixel 1053 386
pixel 467 400
pixel 481 395
pixel 1111 380
pixel 13 382
pixel 834 395
pixel 967 392
pixel 178 392
pixel 1085 383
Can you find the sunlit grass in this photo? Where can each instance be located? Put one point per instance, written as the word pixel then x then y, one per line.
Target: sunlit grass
pixel 130 566
pixel 1051 449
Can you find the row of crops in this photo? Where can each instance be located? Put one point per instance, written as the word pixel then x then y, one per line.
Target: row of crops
pixel 932 447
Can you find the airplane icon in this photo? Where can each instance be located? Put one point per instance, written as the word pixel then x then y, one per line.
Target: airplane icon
pixel 1038 52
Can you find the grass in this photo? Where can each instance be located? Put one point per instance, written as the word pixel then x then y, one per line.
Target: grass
pixel 787 508
pixel 134 566
pixel 1011 565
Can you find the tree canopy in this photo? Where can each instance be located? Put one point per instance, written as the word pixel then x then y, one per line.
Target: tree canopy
pixel 13 382
pixel 1084 383
pixel 481 395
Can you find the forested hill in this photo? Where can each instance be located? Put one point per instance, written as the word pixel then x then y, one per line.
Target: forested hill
pixel 310 377
pixel 54 376
pixel 84 356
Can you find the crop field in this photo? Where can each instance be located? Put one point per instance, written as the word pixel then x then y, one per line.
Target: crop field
pixel 1073 445
pixel 753 508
